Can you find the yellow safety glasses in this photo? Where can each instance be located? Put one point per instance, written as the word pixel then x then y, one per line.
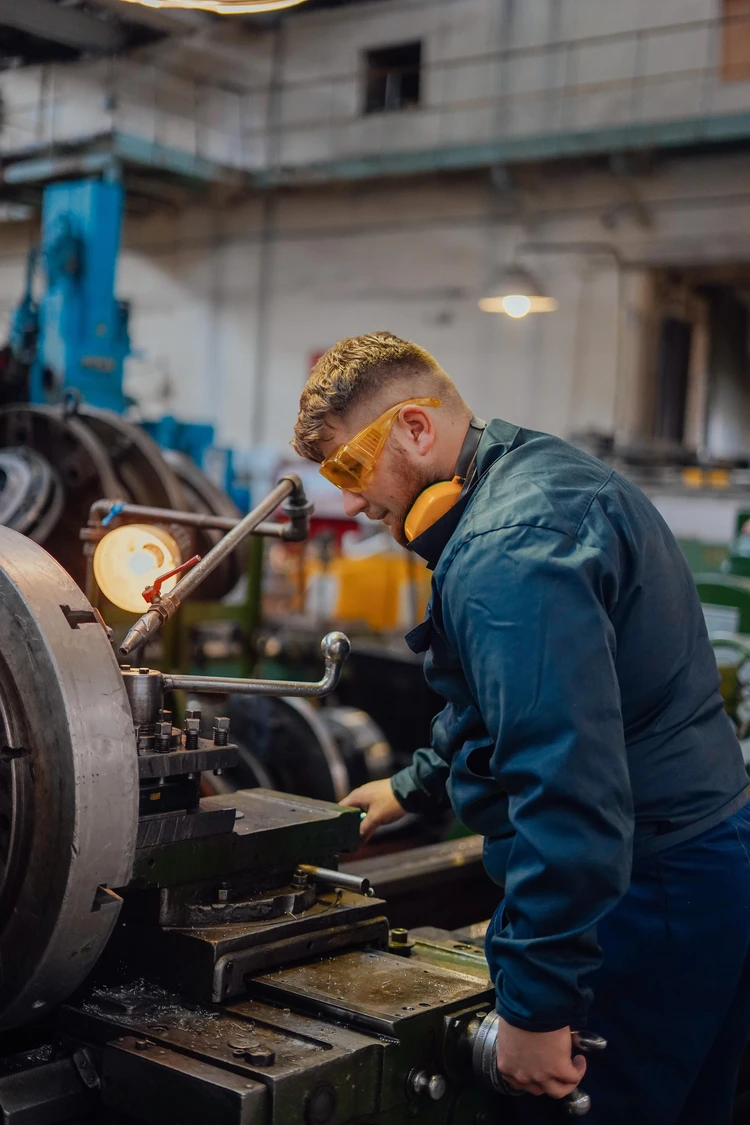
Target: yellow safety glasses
pixel 352 465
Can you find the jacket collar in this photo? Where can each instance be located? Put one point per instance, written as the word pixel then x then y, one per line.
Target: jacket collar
pixel 497 440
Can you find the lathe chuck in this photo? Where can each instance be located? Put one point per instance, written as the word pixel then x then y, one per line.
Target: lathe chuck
pixel 68 783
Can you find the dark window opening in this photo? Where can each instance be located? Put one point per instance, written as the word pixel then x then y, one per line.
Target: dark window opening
pixel 392 78
pixel 673 374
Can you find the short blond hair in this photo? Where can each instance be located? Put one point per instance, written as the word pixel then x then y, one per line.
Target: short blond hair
pixel 359 370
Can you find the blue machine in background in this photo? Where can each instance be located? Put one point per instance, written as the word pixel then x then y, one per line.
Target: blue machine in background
pixel 196 440
pixel 69 334
pixel 74 337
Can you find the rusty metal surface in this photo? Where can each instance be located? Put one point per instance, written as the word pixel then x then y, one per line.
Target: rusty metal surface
pixel 192 1060
pixel 213 963
pixel 371 989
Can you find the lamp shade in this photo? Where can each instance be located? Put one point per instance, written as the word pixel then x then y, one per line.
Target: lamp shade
pixel 129 559
pixel 222 7
pixel 516 293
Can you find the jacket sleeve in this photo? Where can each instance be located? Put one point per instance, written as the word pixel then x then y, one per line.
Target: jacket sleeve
pixel 527 610
pixel 421 787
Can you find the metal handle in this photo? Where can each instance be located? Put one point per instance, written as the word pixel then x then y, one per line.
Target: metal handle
pixel 151 621
pixel 588 1041
pixel 153 593
pixel 482 1037
pixel 334 646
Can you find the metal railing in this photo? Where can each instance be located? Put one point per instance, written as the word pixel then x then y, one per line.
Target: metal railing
pixel 548 99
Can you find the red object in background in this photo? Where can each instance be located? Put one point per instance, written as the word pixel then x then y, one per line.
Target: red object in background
pixel 313 359
pixel 336 528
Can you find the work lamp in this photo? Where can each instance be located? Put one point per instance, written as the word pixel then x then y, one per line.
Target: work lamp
pixel 129 559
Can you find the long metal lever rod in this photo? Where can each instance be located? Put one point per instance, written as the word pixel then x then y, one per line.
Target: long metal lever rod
pixel 166 607
pixel 334 646
pixel 100 509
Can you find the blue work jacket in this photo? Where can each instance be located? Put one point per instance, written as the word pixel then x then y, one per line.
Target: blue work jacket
pixel 583 723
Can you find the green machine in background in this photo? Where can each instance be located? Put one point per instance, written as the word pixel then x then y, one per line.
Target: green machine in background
pixel 725 597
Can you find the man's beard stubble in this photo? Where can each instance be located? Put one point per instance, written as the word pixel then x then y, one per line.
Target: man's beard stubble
pixel 414 479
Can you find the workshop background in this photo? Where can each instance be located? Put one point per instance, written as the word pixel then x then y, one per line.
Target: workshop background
pixel 197 199
pixel 295 178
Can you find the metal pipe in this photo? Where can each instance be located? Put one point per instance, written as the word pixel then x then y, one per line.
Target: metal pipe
pixel 100 509
pixel 334 646
pixel 330 878
pixel 166 607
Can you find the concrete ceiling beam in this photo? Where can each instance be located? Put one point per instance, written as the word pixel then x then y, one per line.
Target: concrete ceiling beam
pixel 61 25
pixel 174 22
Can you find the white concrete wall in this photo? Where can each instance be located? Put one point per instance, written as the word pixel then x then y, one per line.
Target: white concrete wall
pixel 491 68
pixel 226 322
pixel 225 317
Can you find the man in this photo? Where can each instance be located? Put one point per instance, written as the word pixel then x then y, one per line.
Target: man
pixel 583 736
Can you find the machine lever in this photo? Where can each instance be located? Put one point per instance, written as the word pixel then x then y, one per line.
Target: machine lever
pixel 335 648
pixel 152 593
pixel 588 1041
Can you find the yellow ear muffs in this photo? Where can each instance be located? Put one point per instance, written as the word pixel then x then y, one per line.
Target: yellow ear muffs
pixel 430 505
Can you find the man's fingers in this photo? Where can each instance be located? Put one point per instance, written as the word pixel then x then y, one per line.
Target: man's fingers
pixel 528 1086
pixel 555 1089
pixel 355 800
pixel 557 1085
pixel 368 826
pixel 566 1079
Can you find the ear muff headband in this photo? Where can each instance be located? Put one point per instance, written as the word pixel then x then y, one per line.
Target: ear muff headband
pixel 432 504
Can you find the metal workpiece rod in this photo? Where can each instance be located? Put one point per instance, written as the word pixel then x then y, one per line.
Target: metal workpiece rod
pixel 334 646
pixel 100 509
pixel 330 878
pixel 167 606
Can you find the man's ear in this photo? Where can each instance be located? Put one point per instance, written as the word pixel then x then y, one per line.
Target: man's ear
pixel 418 429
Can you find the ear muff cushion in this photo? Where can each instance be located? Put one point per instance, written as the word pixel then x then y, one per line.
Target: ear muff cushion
pixel 430 505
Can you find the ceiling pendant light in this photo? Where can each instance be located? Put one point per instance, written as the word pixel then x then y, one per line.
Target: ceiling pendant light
pixel 516 293
pixel 222 7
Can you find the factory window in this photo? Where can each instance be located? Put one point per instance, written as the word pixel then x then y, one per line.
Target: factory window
pixel 735 41
pixel 392 78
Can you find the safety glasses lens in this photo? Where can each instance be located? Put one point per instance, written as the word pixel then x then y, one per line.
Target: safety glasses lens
pixel 342 476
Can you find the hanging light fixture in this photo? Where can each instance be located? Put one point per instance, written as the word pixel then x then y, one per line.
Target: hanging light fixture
pixel 222 7
pixel 516 293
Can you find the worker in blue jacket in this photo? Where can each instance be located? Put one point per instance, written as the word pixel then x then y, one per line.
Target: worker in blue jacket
pixel 583 737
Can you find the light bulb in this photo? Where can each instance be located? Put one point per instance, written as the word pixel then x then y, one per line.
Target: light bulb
pixel 129 559
pixel 222 7
pixel 517 305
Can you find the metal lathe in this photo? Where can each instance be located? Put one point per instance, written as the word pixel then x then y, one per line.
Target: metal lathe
pixel 185 961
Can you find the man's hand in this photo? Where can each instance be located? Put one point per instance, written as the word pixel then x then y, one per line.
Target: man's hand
pixel 378 801
pixel 538 1062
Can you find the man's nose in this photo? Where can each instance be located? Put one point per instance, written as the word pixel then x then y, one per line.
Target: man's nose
pixel 353 503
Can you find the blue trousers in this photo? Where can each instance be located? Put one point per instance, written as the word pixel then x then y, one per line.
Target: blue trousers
pixel 672 996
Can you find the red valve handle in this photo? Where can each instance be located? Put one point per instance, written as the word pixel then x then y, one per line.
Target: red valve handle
pixel 151 593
